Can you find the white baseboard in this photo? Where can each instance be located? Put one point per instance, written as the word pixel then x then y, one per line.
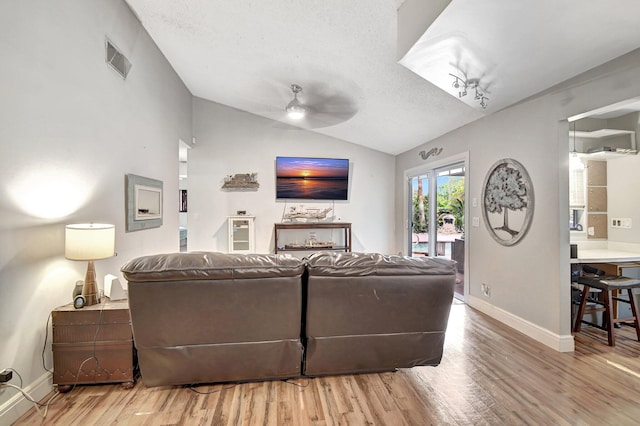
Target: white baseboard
pixel 15 407
pixel 558 342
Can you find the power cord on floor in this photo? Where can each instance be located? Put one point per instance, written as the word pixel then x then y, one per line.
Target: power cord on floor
pixel 28 397
pixel 24 393
pixel 193 389
pixel 300 385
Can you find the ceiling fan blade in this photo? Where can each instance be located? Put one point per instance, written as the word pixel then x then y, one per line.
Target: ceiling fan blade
pixel 328 106
pixel 325 115
pixel 325 105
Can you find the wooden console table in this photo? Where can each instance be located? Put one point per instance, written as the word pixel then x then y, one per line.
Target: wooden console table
pixel 93 344
pixel 345 245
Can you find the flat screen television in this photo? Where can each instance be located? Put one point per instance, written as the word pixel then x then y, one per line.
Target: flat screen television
pixel 312 178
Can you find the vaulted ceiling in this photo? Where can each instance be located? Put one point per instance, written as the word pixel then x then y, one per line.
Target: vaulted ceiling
pixel 357 85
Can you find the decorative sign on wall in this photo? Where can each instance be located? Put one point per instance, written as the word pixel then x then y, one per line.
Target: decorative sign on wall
pixel 507 200
pixel 432 152
pixel 241 182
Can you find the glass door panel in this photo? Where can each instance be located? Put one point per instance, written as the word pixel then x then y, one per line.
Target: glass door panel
pixel 450 211
pixel 436 224
pixel 419 190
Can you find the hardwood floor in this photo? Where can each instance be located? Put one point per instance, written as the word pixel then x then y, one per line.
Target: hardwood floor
pixel 490 375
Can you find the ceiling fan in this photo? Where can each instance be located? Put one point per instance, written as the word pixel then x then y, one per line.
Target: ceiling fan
pixel 319 106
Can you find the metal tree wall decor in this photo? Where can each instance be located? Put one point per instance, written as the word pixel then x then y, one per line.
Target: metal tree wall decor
pixel 507 197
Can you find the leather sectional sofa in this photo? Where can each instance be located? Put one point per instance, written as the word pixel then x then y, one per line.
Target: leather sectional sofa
pixel 204 317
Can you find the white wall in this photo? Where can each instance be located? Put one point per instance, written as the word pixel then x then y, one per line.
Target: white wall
pixel 70 129
pixel 230 141
pixel 529 281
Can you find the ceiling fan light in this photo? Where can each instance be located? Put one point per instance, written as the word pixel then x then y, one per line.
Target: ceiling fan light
pixel 295 111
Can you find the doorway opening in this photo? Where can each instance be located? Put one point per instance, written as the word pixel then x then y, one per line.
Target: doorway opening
pixel 437 216
pixel 183 184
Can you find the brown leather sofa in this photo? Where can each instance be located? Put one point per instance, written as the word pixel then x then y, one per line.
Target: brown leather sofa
pixel 213 317
pixel 369 312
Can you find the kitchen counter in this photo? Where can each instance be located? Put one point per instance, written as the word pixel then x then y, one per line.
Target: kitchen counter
pixel 606 252
pixel 606 255
pixel 613 258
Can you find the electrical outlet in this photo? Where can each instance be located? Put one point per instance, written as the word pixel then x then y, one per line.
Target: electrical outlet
pixel 486 290
pixel 475 222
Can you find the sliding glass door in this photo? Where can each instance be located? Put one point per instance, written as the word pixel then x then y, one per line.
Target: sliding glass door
pixel 436 214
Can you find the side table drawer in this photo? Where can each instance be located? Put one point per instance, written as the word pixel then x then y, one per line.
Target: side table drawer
pixel 102 362
pixel 95 314
pixel 65 333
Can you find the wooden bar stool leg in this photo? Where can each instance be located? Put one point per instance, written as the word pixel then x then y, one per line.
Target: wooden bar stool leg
pixel 608 304
pixel 634 311
pixel 583 303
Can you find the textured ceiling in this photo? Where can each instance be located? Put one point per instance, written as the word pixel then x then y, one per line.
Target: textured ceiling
pixel 247 53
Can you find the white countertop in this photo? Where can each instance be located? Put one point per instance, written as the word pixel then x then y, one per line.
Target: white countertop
pixel 606 256
pixel 606 252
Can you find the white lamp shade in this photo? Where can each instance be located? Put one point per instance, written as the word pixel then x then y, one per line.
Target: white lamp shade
pixel 89 241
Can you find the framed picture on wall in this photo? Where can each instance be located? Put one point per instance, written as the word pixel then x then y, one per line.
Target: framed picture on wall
pixel 183 201
pixel 143 202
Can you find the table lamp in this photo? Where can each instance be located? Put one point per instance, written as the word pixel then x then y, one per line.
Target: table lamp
pixel 90 241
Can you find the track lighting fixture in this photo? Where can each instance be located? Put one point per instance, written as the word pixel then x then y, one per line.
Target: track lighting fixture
pixel 471 84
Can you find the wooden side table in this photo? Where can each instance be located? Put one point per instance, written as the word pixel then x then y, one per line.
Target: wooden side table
pixel 92 345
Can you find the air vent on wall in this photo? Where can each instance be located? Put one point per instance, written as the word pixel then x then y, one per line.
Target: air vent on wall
pixel 116 60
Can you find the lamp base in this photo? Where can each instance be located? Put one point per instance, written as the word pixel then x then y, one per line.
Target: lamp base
pixel 90 288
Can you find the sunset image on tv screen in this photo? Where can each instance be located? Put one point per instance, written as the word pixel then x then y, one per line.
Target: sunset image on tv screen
pixel 312 178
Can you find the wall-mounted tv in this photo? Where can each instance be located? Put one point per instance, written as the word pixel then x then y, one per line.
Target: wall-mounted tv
pixel 312 178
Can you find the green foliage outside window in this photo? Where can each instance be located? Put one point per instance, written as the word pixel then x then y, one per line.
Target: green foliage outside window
pixel 419 226
pixel 450 200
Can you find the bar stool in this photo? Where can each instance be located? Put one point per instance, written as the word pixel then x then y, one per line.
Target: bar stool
pixel 608 284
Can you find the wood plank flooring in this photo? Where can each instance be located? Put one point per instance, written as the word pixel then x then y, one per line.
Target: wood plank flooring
pixel 490 375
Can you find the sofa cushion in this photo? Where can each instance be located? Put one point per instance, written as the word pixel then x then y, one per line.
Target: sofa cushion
pixel 210 266
pixel 365 264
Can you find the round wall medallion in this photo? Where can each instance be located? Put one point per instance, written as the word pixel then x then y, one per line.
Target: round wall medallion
pixel 507 201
